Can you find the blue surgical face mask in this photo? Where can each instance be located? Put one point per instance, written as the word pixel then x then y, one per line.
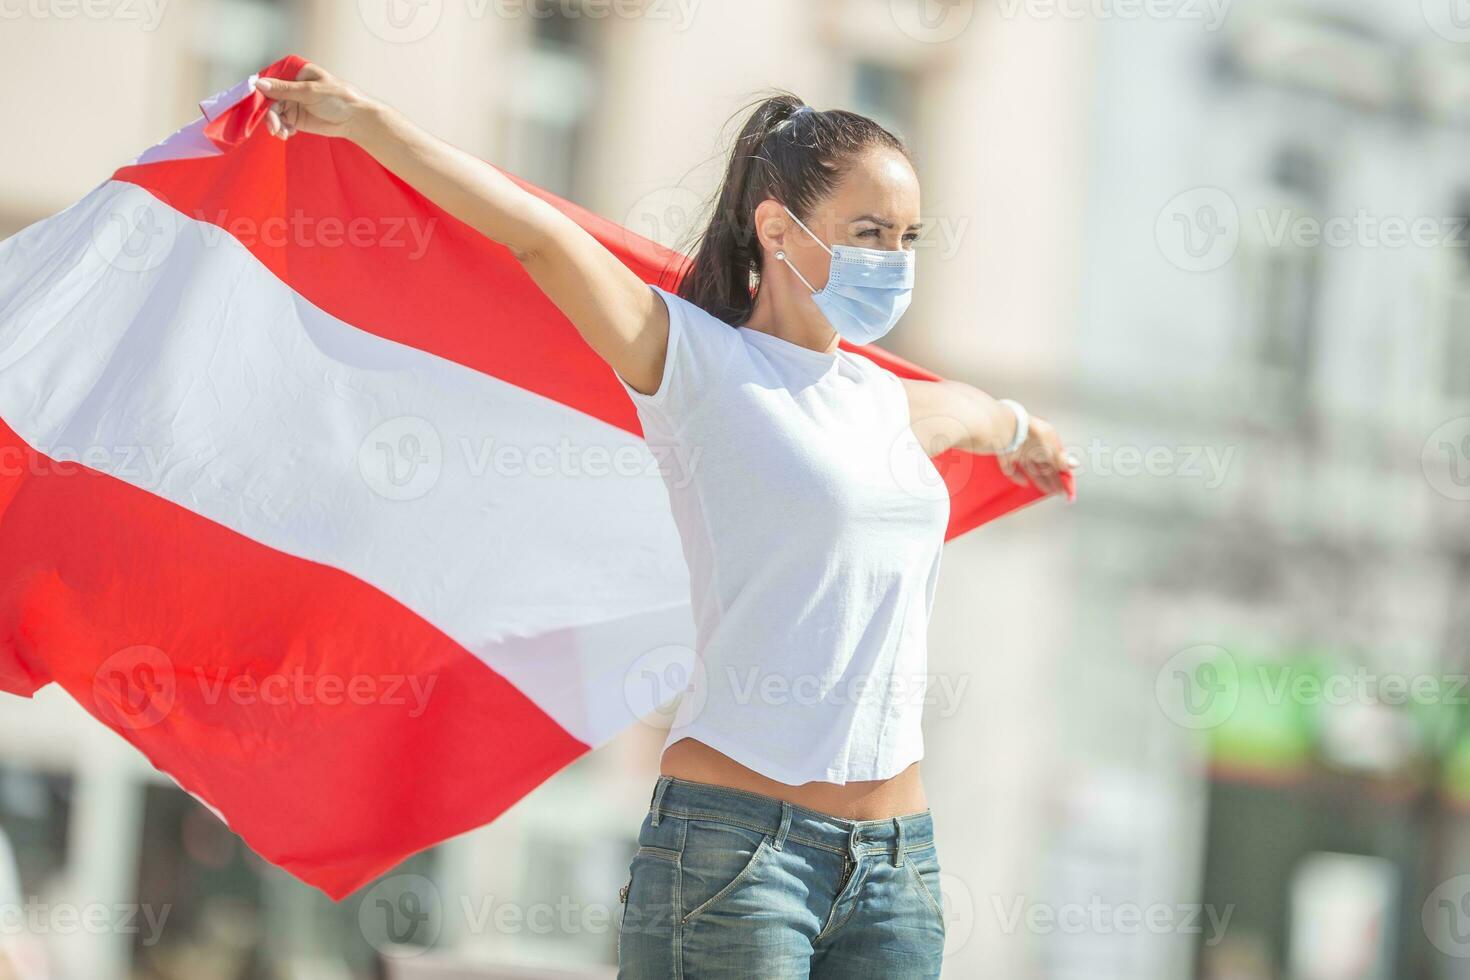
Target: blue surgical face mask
pixel 867 290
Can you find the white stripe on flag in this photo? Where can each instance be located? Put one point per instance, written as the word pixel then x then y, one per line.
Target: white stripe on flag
pixel 158 349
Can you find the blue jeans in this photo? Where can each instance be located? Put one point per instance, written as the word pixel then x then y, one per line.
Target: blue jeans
pixel 730 884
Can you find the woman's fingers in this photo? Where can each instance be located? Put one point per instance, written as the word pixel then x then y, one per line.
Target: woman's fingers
pixel 290 117
pixel 1042 475
pixel 1046 463
pixel 1012 471
pixel 304 92
pixel 281 119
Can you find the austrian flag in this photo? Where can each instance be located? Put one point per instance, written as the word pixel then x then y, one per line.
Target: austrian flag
pixel 310 494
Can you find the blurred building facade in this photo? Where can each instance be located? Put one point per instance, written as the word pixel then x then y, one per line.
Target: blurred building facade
pixel 1250 412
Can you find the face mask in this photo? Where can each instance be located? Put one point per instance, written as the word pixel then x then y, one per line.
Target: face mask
pixel 867 289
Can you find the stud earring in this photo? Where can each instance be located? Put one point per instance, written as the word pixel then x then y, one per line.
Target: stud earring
pixel 780 255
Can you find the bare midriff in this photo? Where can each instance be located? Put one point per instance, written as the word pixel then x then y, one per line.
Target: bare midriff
pixel 876 799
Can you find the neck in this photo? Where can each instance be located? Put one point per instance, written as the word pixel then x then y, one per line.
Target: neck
pixel 784 313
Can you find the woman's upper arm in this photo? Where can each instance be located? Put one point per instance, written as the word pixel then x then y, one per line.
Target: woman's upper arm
pixel 935 414
pixel 613 309
pixel 951 414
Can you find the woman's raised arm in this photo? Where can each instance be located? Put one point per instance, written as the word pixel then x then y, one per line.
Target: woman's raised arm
pixel 616 313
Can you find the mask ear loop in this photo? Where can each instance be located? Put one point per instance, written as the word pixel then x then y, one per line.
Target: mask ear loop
pixel 781 252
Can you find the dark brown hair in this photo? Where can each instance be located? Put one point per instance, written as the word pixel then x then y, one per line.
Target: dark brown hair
pixel 786 151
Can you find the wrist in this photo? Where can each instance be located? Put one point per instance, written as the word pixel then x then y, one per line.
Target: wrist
pixel 1021 430
pixel 371 122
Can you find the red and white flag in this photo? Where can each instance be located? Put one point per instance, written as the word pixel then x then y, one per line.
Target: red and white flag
pixel 308 492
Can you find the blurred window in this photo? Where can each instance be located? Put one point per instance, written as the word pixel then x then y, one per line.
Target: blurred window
pixel 231 916
pixel 1343 908
pixel 237 37
pixel 889 95
pixel 1457 310
pixel 35 812
pixel 552 100
pixel 1286 294
pixel 1284 282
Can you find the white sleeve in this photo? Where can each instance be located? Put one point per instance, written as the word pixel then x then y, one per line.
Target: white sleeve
pixel 699 351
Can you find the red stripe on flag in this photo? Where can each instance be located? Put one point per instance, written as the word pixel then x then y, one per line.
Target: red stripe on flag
pixel 465 298
pixel 253 677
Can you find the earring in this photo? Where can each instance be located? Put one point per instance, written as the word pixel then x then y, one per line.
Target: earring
pixel 780 255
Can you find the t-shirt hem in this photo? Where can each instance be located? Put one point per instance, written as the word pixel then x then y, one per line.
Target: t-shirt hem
pixel 779 772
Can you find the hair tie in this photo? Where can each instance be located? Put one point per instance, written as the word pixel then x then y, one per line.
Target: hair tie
pixel 790 120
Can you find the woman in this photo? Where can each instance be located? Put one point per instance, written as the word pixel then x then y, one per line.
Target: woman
pixel 788 835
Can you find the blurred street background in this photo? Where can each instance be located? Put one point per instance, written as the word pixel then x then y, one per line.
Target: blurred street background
pixel 1213 721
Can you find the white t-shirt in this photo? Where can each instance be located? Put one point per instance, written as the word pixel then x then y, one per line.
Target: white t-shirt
pixel 812 555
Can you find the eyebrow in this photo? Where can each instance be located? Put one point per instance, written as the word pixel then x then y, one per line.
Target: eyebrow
pixel 884 222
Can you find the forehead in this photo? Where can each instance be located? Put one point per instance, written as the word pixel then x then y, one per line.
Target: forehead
pixel 881 181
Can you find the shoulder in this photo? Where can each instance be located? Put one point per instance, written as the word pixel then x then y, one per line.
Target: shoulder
pixel 872 369
pixel 695 321
pixel 699 349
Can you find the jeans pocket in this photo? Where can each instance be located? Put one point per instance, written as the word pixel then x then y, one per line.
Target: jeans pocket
pixel 718 859
pixel 923 865
pixel 649 901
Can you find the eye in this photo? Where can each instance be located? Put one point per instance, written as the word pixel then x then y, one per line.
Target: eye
pixel 911 237
pixel 870 233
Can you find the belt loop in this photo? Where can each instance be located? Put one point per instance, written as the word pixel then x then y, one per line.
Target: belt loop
pixel 658 798
pixel 785 825
pixel 898 843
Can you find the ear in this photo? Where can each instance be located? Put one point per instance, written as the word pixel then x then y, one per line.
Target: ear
pixel 772 226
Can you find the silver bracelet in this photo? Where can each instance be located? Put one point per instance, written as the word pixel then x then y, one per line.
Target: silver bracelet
pixel 1023 426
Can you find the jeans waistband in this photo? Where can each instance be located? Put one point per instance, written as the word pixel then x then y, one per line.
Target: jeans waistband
pixel 788 821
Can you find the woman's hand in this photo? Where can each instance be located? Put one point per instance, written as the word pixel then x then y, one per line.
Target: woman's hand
pixel 954 415
pixel 1041 460
pixel 315 102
